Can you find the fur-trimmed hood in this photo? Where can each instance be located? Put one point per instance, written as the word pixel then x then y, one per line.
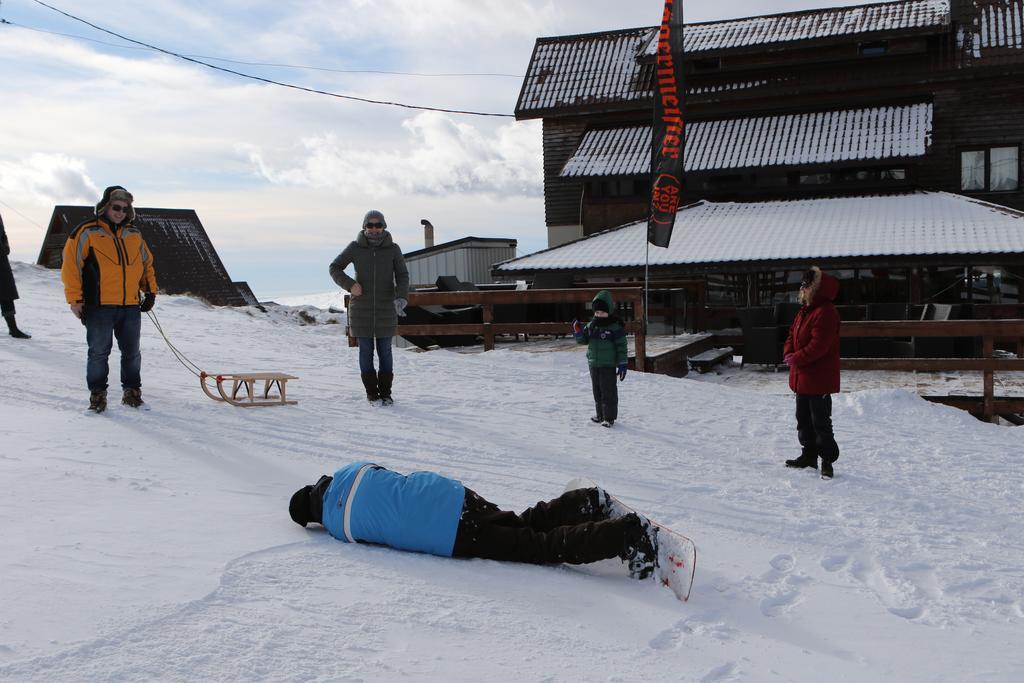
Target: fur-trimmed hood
pixel 824 288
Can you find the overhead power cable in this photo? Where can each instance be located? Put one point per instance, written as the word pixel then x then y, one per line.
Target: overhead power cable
pixel 276 65
pixel 22 215
pixel 268 80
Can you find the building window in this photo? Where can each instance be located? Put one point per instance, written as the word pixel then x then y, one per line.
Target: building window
pixel 618 188
pixel 710 64
pixel 852 176
pixel 877 47
pixel 992 169
pixel 723 182
pixel 815 178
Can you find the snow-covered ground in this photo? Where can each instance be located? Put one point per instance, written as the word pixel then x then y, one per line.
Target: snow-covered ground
pixel 156 545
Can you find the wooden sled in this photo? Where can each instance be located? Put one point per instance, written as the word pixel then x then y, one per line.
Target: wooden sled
pixel 245 383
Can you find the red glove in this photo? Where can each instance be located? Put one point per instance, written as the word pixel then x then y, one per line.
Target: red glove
pixel 577 329
pixel 788 358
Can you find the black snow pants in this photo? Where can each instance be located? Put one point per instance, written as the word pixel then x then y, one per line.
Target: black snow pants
pixel 570 528
pixel 606 393
pixel 814 427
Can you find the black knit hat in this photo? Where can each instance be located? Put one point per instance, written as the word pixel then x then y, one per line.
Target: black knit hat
pixel 600 305
pixel 299 507
pixel 307 504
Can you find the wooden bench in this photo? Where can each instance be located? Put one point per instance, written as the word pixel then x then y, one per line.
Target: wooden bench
pixel 245 383
pixel 704 362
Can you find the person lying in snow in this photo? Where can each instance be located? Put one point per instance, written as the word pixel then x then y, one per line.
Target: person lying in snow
pixel 429 513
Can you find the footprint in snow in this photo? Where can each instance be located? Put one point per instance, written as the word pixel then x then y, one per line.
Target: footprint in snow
pixel 834 563
pixel 726 672
pixel 914 612
pixel 783 563
pixel 669 639
pixel 777 605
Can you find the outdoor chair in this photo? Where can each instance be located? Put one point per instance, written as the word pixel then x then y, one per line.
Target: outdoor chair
pixel 762 344
pixel 849 347
pixel 887 347
pixel 935 347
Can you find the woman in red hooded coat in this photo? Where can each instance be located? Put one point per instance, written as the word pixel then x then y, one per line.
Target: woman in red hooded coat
pixel 812 354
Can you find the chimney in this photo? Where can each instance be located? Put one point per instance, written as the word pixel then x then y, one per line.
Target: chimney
pixel 428 233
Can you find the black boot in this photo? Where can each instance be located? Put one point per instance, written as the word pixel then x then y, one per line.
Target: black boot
pixel 804 461
pixel 370 384
pixel 13 327
pixel 826 469
pixel 384 381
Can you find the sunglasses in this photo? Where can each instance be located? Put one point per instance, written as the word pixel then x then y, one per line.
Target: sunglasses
pixel 120 208
pixel 374 226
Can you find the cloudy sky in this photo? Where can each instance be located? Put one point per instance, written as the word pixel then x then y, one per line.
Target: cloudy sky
pixel 279 177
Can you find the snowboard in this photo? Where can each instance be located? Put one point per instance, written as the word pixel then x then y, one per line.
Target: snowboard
pixel 677 554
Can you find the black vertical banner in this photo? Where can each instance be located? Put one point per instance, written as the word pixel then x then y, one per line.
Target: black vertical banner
pixel 667 139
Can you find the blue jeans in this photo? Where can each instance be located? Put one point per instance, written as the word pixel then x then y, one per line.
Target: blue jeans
pixel 366 345
pixel 101 326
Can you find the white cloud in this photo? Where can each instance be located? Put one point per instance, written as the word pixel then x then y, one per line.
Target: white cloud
pixel 441 156
pixel 45 179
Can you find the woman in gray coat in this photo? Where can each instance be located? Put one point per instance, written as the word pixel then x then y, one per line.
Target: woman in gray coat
pixel 379 292
pixel 8 290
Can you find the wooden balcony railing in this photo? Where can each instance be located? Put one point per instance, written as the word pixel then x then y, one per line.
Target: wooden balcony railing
pixel 488 329
pixel 987 405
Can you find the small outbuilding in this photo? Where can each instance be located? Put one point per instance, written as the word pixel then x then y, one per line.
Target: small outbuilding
pixel 469 259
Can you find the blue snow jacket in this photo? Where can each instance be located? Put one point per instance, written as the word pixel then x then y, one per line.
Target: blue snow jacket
pixel 418 512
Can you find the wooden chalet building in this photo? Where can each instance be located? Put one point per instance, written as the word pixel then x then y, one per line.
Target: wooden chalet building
pixel 184 257
pixel 895 106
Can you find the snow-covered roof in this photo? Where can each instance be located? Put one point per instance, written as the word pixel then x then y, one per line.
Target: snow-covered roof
pixel 915 224
pixel 821 137
pixel 588 69
pixel 811 24
pixel 597 68
pixel 994 25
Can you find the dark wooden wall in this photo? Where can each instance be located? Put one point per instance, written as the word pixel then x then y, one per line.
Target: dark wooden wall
pixel 562 195
pixel 970 113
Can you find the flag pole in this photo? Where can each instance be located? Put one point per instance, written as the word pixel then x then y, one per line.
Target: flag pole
pixel 667 135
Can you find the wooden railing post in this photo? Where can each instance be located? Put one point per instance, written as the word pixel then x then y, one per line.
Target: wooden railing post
pixel 640 339
pixel 987 349
pixel 488 311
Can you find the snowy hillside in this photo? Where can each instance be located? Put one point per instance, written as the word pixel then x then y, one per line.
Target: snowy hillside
pixel 156 545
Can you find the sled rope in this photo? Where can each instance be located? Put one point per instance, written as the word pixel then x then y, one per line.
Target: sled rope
pixel 178 355
pixel 243 383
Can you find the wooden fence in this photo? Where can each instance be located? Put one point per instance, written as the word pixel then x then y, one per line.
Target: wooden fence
pixel 488 329
pixel 987 405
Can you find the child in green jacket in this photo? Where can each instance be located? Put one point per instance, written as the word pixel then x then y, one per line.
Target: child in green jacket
pixel 605 337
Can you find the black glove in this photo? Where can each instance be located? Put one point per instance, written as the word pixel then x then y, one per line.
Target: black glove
pixel 147 302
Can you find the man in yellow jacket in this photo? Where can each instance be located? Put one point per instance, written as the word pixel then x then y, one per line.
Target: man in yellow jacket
pixel 107 264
